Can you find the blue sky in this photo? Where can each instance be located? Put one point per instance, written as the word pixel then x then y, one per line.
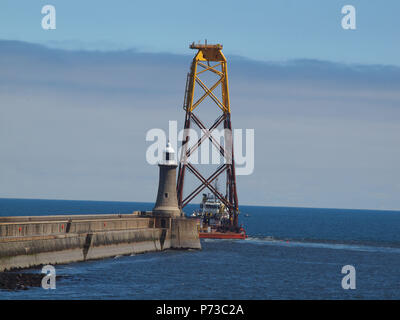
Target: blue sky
pixel 262 30
pixel 324 102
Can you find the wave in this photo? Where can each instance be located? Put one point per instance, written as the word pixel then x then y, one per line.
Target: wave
pixel 268 240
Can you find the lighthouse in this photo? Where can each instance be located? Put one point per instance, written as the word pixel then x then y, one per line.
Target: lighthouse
pixel 167 200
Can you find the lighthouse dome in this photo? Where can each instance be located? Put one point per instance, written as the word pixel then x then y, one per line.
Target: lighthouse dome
pixel 169 155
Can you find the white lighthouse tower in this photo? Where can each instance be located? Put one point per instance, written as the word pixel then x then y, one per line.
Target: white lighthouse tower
pixel 167 200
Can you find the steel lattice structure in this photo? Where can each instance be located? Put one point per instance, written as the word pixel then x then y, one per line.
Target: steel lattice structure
pixel 209 58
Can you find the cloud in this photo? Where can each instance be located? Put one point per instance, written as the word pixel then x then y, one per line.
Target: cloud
pixel 73 125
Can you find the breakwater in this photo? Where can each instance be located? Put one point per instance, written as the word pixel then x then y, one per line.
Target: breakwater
pixel 37 240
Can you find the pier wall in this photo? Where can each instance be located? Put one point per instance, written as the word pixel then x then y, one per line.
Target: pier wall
pixel 33 241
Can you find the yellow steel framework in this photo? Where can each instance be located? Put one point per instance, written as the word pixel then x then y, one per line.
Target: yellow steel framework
pixel 209 58
pixel 208 53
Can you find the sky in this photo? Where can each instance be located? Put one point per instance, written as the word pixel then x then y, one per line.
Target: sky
pixel 76 102
pixel 262 30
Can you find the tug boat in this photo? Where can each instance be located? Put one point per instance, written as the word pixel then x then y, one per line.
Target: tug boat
pixel 214 221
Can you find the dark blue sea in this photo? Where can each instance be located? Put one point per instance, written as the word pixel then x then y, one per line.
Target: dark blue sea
pixel 291 253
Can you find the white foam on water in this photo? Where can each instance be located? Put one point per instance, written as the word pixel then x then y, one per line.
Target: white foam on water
pixel 334 246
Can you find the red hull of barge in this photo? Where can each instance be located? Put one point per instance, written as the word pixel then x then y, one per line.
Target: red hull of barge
pixel 222 235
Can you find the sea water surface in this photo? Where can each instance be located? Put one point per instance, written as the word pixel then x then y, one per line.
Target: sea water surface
pixel 291 253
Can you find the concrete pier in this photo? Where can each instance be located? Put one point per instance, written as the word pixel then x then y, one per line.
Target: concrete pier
pixel 39 240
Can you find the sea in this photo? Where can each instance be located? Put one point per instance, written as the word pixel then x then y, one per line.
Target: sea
pixel 291 253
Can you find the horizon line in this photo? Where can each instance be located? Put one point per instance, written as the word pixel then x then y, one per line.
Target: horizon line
pixel 246 205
